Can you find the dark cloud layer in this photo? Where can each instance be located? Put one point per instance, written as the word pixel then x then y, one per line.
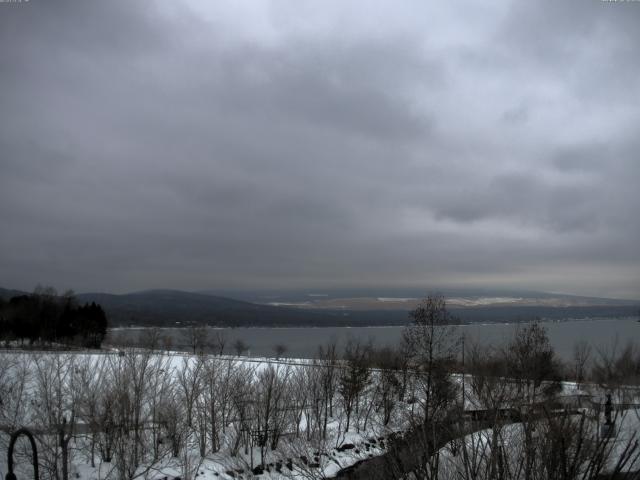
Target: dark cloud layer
pixel 227 144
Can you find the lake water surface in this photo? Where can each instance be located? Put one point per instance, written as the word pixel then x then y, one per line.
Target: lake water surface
pixel 304 342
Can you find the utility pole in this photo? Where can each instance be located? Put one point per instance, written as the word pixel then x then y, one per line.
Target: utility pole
pixel 463 375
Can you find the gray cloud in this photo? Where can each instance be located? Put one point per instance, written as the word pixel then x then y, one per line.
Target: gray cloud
pixel 197 146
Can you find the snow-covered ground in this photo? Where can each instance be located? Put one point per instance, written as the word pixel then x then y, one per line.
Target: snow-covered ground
pixel 475 452
pixel 182 393
pixel 27 377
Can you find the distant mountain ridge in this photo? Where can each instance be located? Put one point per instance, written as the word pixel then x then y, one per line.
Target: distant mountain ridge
pixel 175 308
pixel 7 293
pixel 459 296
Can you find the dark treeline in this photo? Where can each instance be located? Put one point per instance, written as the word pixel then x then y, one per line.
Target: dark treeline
pixel 44 317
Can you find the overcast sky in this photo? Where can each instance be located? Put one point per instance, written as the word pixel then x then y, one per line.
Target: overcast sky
pixel 230 144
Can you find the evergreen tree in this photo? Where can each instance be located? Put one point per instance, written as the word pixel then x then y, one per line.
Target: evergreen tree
pixel 47 317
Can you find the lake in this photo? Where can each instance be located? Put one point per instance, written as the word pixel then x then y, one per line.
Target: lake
pixel 304 342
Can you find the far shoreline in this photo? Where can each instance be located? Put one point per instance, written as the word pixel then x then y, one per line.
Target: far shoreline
pixel 306 327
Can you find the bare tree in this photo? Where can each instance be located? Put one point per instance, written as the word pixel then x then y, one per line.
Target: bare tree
pixel 15 373
pixel 493 393
pixel 617 371
pixel 240 347
pixel 306 460
pixel 565 446
pixel 218 342
pixel 91 378
pixel 536 373
pixel 243 401
pixel 197 338
pixel 536 441
pixel 217 379
pixel 152 340
pixel 170 417
pixel 581 358
pixel 189 386
pixel 162 383
pixel 57 409
pixel 432 342
pixel 298 396
pixel 316 412
pixel 391 368
pixel 327 362
pixel 533 364
pixel 279 350
pixel 130 410
pixel 353 378
pixel 194 426
pixel 269 407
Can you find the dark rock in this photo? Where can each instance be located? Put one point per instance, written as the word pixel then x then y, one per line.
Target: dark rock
pixel 259 470
pixel 346 446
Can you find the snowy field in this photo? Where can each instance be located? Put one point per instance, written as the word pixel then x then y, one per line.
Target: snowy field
pixel 189 416
pixel 139 414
